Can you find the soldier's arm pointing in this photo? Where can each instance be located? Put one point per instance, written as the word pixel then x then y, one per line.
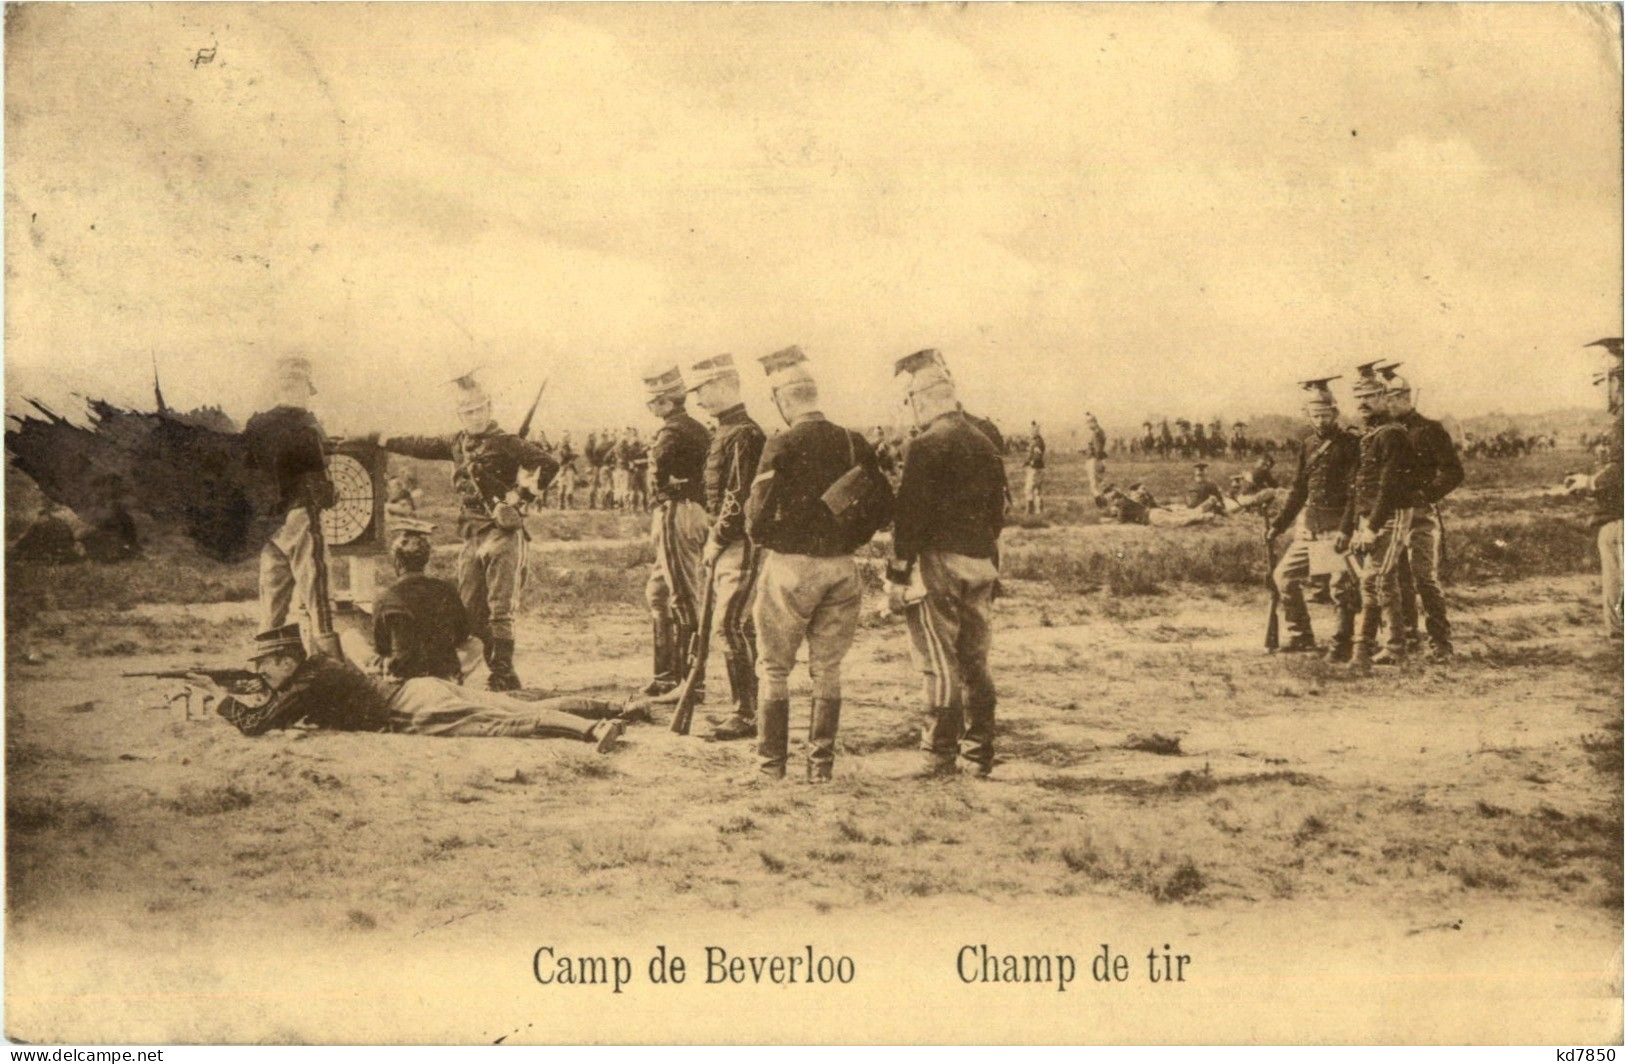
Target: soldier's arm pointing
pixel 431 448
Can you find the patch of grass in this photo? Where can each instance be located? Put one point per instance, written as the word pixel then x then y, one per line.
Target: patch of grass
pixel 208 801
pixel 31 815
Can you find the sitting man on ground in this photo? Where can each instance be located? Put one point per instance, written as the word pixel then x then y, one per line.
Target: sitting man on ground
pixel 324 692
pixel 421 628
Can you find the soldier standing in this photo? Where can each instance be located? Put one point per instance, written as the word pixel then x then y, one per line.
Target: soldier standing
pixel 808 589
pixel 1377 521
pixel 679 525
pixel 1314 509
pixel 950 508
pixel 1096 450
pixel 567 472
pixel 638 473
pixel 286 443
pixel 731 560
pixel 1035 471
pixel 1438 473
pixel 487 464
pixel 593 453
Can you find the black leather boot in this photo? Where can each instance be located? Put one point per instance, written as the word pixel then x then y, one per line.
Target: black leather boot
pixel 665 669
pixel 502 676
pixel 826 720
pixel 773 724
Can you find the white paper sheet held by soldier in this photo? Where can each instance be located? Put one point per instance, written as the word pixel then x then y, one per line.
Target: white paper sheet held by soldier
pixel 813 523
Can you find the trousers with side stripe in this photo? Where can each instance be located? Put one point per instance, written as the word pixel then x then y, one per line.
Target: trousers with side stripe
pixel 951 630
pixel 490 579
pixel 674 590
pixel 1379 583
pixel 733 577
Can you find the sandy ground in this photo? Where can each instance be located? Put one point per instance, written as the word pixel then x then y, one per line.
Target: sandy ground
pixel 1433 855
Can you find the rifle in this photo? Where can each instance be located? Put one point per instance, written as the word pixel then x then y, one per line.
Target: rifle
pixel 226 677
pixel 524 426
pixel 699 648
pixel 1272 633
pixel 324 639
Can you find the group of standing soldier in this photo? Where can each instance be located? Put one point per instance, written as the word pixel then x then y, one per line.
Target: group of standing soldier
pixel 1364 508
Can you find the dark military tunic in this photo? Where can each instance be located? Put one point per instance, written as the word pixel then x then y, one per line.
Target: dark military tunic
pixel 486 468
pixel 1385 479
pixel 286 444
pixel 417 625
pixel 951 497
pixel 322 692
pixel 786 512
pixel 730 469
pixel 1321 488
pixel 1438 469
pixel 678 456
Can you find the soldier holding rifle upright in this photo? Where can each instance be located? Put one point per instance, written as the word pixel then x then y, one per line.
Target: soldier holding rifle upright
pixel 679 525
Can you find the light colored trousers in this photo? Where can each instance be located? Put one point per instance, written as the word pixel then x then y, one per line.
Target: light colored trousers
pixel 951 630
pixel 1292 572
pixel 674 588
pixel 1035 491
pixel 490 579
pixel 428 706
pixel 801 597
pixel 1608 547
pixel 288 566
pixel 1422 551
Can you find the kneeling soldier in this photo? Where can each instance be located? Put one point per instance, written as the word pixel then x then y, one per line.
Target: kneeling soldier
pixel 731 560
pixel 678 529
pixel 809 588
pixel 950 508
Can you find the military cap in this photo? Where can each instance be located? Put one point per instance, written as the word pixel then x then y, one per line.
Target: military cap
pixel 1369 383
pixel 712 368
pixel 276 641
pixel 1614 345
pixel 470 394
pixel 1201 467
pixel 290 366
pixel 1396 384
pixel 786 366
pixel 663 380
pixel 926 369
pixel 1320 392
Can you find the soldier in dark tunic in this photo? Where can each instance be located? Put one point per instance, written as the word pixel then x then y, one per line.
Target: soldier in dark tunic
pixel 1438 473
pixel 949 512
pixel 731 560
pixel 679 525
pixel 1377 521
pixel 1314 509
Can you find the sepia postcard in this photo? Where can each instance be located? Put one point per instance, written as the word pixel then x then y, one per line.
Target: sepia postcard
pixel 813 523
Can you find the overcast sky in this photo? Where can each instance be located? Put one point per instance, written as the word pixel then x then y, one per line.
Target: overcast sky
pixel 1127 209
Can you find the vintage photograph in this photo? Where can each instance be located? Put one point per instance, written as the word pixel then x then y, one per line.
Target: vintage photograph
pixel 813 523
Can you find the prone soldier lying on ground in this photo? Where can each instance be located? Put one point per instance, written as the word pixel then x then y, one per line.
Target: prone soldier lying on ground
pixel 324 692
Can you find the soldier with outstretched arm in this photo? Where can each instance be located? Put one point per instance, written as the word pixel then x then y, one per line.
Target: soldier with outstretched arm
pixel 489 466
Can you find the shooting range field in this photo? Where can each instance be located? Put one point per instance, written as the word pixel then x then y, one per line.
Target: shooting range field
pixel 1157 766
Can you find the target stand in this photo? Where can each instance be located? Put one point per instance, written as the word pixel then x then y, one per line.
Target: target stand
pixel 354 525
